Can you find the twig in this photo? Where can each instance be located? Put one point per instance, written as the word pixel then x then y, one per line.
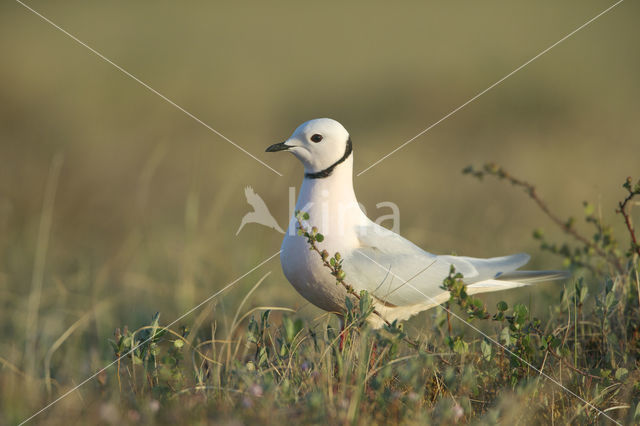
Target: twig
pixel 571 366
pixel 567 227
pixel 622 206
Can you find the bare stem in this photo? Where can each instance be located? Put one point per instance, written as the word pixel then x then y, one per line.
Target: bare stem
pixel 622 209
pixel 530 189
pixel 571 366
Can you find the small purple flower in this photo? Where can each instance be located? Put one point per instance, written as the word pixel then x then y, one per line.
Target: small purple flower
pixel 256 390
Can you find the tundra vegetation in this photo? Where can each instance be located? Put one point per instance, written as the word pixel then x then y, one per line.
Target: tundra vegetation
pixel 266 365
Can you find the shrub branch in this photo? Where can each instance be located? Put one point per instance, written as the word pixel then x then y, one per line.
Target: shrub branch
pixel 567 226
pixel 622 209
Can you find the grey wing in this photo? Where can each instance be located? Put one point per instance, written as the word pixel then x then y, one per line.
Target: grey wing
pixel 398 272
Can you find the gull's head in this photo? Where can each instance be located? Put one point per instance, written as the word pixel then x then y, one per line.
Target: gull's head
pixel 319 144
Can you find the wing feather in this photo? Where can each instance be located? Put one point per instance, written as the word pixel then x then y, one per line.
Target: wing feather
pixel 397 271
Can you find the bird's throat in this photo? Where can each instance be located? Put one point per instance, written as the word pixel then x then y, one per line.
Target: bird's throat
pixel 325 173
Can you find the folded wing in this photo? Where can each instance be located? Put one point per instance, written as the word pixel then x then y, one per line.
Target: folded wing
pixel 398 272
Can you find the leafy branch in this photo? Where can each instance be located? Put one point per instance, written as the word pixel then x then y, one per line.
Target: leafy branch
pixel 607 243
pixel 622 209
pixel 458 293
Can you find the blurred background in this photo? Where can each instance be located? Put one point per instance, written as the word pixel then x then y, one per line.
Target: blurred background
pixel 147 202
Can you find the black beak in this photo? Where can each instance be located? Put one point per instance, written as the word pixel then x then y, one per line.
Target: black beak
pixel 278 147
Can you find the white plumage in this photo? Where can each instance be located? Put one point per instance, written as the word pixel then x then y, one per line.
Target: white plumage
pixel 402 278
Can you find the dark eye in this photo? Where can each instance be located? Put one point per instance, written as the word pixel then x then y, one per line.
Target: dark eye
pixel 316 138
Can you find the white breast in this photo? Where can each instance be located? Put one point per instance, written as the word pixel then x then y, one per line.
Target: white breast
pixel 333 209
pixel 304 270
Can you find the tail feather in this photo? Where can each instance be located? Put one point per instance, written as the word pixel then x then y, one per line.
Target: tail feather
pixel 488 286
pixel 515 279
pixel 531 277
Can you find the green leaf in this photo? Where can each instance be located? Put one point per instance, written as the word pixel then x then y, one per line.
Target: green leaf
pixel 520 313
pixel 460 346
pixel 298 325
pixel 291 328
pixel 284 350
pixel 265 319
pixel 114 346
pixel 365 302
pixel 288 328
pixel 305 216
pixel 611 300
pixel 349 303
pixel 505 336
pixel 502 306
pixel 621 373
pixel 448 341
pixel 588 209
pixel 319 238
pixel 262 356
pixel 486 350
pixel 252 331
